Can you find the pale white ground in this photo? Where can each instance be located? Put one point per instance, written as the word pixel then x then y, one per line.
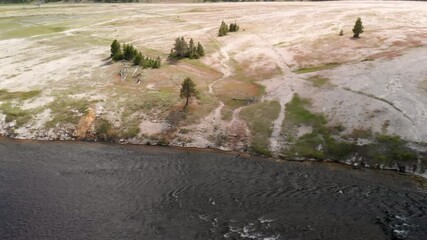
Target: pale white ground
pixel 275 39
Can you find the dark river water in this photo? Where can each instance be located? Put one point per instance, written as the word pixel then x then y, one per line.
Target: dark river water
pixel 77 190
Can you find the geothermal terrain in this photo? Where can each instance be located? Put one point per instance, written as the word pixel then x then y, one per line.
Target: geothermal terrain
pixel 287 84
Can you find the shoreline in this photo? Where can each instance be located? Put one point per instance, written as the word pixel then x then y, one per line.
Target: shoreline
pixel 353 166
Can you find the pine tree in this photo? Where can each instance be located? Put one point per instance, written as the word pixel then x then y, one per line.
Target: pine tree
pixel 200 50
pixel 138 59
pixel 223 29
pixel 232 27
pixel 192 50
pixel 115 47
pixel 188 90
pixel 157 63
pixel 180 49
pixel 358 28
pixel 184 51
pixel 146 63
pixel 128 52
pixel 118 55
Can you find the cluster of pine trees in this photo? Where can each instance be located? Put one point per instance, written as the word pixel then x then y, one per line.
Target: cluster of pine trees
pixel 182 49
pixel 224 28
pixel 129 53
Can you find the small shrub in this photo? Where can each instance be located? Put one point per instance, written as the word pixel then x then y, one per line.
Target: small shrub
pixel 131 132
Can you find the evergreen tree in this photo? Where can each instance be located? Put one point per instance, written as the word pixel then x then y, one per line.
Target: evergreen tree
pixel 138 59
pixel 188 90
pixel 223 29
pixel 192 50
pixel 200 50
pixel 129 52
pixel 115 47
pixel 146 63
pixel 118 55
pixel 180 49
pixel 157 63
pixel 358 28
pixel 233 27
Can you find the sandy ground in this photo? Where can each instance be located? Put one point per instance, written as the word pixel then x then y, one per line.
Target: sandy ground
pixel 63 51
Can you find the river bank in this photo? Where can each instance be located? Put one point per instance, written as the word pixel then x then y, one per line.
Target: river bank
pixel 354 162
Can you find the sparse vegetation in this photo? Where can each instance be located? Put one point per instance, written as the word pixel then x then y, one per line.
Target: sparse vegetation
pixel 297 113
pixel 259 118
pixel 104 130
pixel 14 113
pixel 67 110
pixel 320 144
pixel 130 132
pixel 319 81
pixel 6 95
pixel 316 68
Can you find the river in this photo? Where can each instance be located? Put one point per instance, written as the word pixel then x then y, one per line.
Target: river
pixel 80 190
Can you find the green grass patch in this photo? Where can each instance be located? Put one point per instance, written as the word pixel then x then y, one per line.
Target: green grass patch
pixel 206 104
pixel 134 99
pixel 319 81
pixel 130 132
pixel 78 41
pixel 320 144
pixel 6 95
pixel 234 94
pixel 67 110
pixel 16 113
pixel 259 118
pixel 388 149
pixel 360 133
pixel 316 68
pixel 25 31
pixel 298 114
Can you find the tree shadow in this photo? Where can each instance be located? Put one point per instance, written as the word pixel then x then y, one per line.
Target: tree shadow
pixel 172 60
